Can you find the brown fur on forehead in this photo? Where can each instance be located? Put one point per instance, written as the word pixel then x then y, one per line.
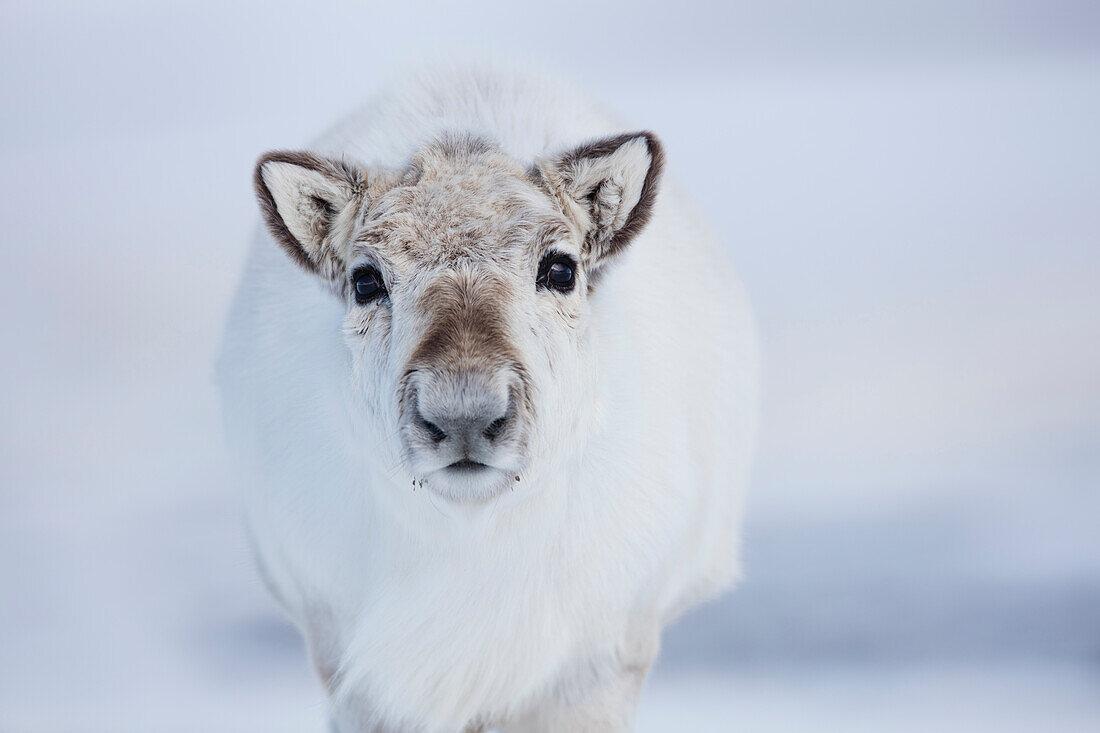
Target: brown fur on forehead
pixel 466 313
pixel 461 199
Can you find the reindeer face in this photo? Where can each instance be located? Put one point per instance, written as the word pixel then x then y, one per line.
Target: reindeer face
pixel 466 279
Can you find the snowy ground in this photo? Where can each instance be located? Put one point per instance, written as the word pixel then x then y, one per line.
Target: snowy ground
pixel 910 194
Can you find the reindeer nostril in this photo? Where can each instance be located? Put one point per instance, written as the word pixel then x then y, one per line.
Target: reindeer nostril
pixel 495 427
pixel 433 430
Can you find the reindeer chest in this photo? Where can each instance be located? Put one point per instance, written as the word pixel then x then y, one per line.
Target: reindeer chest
pixel 450 640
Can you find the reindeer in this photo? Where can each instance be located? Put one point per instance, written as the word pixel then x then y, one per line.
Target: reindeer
pixel 492 387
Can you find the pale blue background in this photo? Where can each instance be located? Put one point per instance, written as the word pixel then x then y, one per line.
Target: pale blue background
pixel 909 189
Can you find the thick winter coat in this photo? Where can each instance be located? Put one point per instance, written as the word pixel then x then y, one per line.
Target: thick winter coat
pixel 492 385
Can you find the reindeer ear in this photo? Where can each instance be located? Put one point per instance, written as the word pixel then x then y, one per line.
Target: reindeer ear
pixel 608 187
pixel 310 204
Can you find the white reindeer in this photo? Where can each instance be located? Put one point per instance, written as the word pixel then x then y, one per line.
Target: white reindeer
pixel 493 388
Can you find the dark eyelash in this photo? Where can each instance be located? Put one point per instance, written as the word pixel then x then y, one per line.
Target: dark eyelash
pixel 364 271
pixel 549 259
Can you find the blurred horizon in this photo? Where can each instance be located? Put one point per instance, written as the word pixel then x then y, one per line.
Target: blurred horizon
pixel 908 191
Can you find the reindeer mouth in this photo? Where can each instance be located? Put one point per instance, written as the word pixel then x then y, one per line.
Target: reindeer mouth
pixel 467 466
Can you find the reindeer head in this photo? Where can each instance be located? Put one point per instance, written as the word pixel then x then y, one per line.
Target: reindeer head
pixel 466 279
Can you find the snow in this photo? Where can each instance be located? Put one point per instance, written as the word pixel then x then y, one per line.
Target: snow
pixel 909 193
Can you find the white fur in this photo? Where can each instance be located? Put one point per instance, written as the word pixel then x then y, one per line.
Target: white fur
pixel 540 609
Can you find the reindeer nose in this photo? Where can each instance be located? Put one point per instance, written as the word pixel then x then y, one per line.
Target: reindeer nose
pixel 464 429
pixel 469 411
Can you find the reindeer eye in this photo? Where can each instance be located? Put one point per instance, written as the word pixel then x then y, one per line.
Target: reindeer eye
pixel 368 284
pixel 557 271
